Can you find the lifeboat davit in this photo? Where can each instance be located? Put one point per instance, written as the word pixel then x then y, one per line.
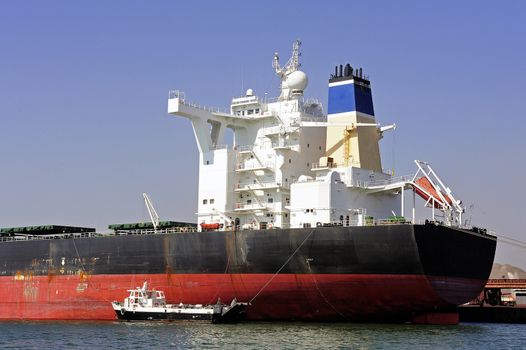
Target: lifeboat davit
pixel 423 183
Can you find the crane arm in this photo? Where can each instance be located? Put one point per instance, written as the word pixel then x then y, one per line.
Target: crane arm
pixel 151 210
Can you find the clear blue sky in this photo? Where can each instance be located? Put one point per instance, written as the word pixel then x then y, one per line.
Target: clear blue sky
pixel 84 86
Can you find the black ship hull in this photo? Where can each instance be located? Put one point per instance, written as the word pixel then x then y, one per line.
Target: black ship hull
pixel 368 273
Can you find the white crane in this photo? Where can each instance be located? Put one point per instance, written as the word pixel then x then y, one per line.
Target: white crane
pixel 151 210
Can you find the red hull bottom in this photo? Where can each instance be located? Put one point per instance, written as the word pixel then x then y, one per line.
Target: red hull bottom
pixel 305 297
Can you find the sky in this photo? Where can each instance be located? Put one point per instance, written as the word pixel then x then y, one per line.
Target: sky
pixel 84 129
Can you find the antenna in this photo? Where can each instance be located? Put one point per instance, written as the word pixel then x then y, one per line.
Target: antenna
pixel 293 63
pixel 151 210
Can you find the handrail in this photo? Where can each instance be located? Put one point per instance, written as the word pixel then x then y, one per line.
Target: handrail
pixel 25 238
pixel 250 186
pixel 176 94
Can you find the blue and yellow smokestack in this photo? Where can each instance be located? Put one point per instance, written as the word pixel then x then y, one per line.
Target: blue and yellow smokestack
pixel 353 140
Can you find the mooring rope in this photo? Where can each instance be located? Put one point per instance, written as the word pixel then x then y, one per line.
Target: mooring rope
pixel 325 298
pixel 282 266
pixel 87 277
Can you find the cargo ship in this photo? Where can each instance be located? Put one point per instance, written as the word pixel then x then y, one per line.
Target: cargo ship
pixel 297 217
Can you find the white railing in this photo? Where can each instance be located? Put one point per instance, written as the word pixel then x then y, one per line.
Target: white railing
pixel 251 206
pixel 176 94
pixel 48 237
pixel 383 182
pixel 158 231
pixel 283 144
pixel 173 94
pixel 244 100
pixel 254 166
pixel 219 147
pixel 244 148
pixel 23 238
pixel 262 186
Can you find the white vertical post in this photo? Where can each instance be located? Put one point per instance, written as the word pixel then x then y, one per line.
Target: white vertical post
pixel 402 201
pixel 414 204
pixel 433 206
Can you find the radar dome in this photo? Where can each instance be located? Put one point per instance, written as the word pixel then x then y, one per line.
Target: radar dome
pixel 297 80
pixel 250 92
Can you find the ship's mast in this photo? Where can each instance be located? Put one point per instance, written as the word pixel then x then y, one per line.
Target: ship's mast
pixel 293 80
pixel 292 65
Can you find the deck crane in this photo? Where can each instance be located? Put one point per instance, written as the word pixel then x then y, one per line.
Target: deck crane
pixel 151 210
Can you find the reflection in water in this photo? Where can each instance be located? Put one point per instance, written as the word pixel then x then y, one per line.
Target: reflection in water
pixel 123 335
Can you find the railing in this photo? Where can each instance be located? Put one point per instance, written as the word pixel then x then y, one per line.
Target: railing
pixel 247 186
pixel 273 130
pixel 244 100
pixel 48 237
pixel 255 166
pixel 158 231
pixel 251 206
pixel 173 94
pixel 382 182
pixel 283 144
pixel 176 94
pixel 25 238
pixel 323 166
pixel 219 147
pixel 244 148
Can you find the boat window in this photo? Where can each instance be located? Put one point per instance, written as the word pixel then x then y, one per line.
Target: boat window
pixel 249 201
pixel 271 200
pixel 256 110
pixel 205 201
pixel 211 200
pixel 250 111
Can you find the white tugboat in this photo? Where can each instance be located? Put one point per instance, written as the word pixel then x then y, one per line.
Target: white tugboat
pixel 144 304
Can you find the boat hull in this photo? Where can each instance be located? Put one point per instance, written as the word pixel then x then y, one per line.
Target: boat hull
pixel 126 315
pixel 358 274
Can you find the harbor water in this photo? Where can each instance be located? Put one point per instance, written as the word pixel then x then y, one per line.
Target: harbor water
pixel 193 335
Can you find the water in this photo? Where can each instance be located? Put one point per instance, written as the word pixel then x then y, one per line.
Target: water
pixel 187 335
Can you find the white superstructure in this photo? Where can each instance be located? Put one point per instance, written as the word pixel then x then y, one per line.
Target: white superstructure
pixel 293 166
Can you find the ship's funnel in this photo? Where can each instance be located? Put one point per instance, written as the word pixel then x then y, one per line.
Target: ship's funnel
pixel 350 91
pixel 353 141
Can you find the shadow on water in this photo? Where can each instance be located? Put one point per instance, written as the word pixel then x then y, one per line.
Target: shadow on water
pixel 258 335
